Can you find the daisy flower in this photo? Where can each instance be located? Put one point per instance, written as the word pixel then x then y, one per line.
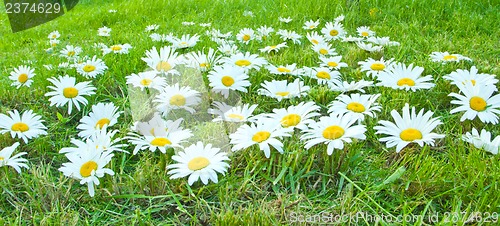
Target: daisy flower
pixel 355 106
pixel 315 38
pixel 344 86
pixel 228 49
pixel 246 35
pixel 164 61
pixel 283 90
pixel 446 57
pixel 26 126
pixel 21 76
pixel 112 11
pixel 290 69
pixel 374 67
pixel 311 24
pixel 409 128
pixel 333 62
pixel 92 68
pixel 229 113
pixel 199 162
pixel 289 35
pixel 248 13
pixel 465 76
pixel 159 140
pixel 147 79
pixel 67 92
pixel 247 61
pixel 185 41
pixel 351 38
pixel 264 31
pixel 176 97
pixel 227 77
pixel 54 35
pixel 274 48
pixel 477 101
pixel 365 32
pixel 405 77
pixel 322 74
pixel 16 161
pixel 152 27
pixel 104 31
pixel 333 31
pixel 188 23
pixel 102 114
pixel 100 139
pixel 285 20
pixel 117 49
pixel 155 37
pixel 383 41
pixel 202 61
pixel 53 43
pixel 70 52
pixel 205 24
pixel 88 166
pixel 333 130
pixel 324 49
pixel 265 132
pixel 482 140
pixel 157 126
pixel 297 116
pixel 369 47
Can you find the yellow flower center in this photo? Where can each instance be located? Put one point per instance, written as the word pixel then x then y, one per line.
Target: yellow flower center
pixel 227 81
pixel 477 103
pixel 332 64
pixel 205 65
pixel 246 37
pixel 184 43
pixel 160 142
pixel 102 122
pixel 410 134
pixel 283 94
pixel 163 66
pixel 261 136
pixel 22 78
pixel 198 163
pixel 54 44
pixel 236 116
pixel 323 75
pixel 178 100
pixel 146 81
pixel 87 168
pixel 272 47
pixel 406 81
pixel 377 66
pixel 243 63
pixel 1 159
pixel 54 36
pixel 333 132
pixel 312 26
pixel 20 127
pixel 314 41
pixel 290 120
pixel 89 68
pixel 283 69
pixel 356 107
pixel 450 57
pixel 116 48
pixel 334 33
pixel 71 53
pixel 70 92
pixel 323 51
pixel 364 33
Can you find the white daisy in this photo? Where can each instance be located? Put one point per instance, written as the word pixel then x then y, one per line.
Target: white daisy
pixel 229 113
pixel 161 140
pixel 176 97
pixel 289 69
pixel 369 47
pixel 92 68
pixel 333 130
pixel 117 49
pixel 16 161
pixel 482 140
pixel 246 35
pixel 202 61
pixel 274 48
pixel 152 27
pixel 323 75
pixel 54 35
pixel 263 132
pixel 26 126
pixel 199 162
pixel 100 139
pixel 22 76
pixel 311 24
pixel 333 31
pixel 409 128
pixel 102 114
pixel 464 76
pixel 186 41
pixel 147 79
pixel 205 24
pixel 263 32
pixel 283 90
pixel 247 61
pixel 315 38
pixel 67 92
pixel 164 61
pixel 70 52
pixel 248 13
pixel 405 77
pixel 104 31
pixel 355 106
pixel 228 77
pixel 324 49
pixel 333 62
pixel 289 35
pixel 351 38
pixel 365 32
pixel 228 49
pixel 477 101
pixel 344 86
pixel 297 116
pixel 374 67
pixel 188 23
pixel 285 20
pixel 53 43
pixel 157 126
pixel 382 41
pixel 446 57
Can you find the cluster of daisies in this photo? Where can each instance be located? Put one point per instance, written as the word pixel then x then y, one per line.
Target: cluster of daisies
pixel 229 70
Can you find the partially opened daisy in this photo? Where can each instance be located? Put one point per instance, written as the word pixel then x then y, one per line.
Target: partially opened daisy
pixel 333 130
pixel 355 105
pixel 333 62
pixel 229 113
pixel 147 79
pixel 100 139
pixel 117 49
pixel 311 24
pixel 152 27
pixel 324 49
pixel 202 61
pixel 104 31
pixel 185 41
pixel 446 57
pixel 88 166
pixel 345 86
pixel 102 114
pixel 333 31
pixel 482 140
pixel 264 31
pixel 464 76
pixel 405 77
pixel 22 76
pixel 228 77
pixel 411 127
pixel 161 139
pixel 283 90
pixel 199 162
pixel 477 101
pixel 67 92
pixel 246 35
pixel 92 68
pixel 296 116
pixel 285 20
pixel 26 126
pixel 289 69
pixel 228 49
pixel 177 97
pixel 247 61
pixel 370 47
pixel 16 161
pixel 289 35
pixel 265 132
pixel 70 52
pixel 274 48
pixel 365 32
pixel 382 41
pixel 351 38
pixel 374 67
pixel 323 75
pixel 157 126
pixel 315 38
pixel 164 61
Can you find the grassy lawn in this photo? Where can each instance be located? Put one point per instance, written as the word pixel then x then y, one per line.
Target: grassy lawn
pixel 452 180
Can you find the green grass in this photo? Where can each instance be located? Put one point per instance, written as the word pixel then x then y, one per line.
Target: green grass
pixel 453 176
